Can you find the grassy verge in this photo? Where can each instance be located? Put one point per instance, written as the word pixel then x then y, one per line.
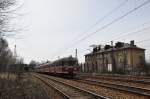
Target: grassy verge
pixel 20 86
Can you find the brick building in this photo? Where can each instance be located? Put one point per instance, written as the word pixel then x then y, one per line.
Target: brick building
pixel 119 58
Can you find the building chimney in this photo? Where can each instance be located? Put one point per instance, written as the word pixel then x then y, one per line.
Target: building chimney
pixel 132 43
pixel 111 43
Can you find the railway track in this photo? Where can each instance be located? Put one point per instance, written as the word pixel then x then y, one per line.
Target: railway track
pixel 67 90
pixel 133 84
pixel 136 90
pixel 101 91
pixel 125 78
pixel 139 82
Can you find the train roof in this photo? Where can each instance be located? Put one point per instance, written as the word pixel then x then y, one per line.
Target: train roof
pixel 70 58
pixel 66 59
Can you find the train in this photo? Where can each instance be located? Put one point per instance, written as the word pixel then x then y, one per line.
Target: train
pixel 66 67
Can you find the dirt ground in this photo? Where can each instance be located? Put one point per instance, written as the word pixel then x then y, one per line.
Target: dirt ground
pixel 20 86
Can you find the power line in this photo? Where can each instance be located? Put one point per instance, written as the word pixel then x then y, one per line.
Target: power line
pixel 112 22
pixel 143 40
pixel 104 17
pixel 101 20
pixel 124 33
pixel 115 20
pixel 130 33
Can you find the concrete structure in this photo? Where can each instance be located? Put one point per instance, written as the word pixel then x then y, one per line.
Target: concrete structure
pixel 121 58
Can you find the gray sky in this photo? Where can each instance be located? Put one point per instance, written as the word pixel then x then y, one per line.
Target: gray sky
pixel 54 25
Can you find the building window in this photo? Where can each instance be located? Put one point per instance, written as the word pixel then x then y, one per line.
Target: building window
pixel 110 67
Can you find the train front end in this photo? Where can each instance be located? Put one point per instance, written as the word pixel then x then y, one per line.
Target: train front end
pixel 70 66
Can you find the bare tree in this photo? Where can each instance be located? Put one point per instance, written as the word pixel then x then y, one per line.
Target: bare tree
pixel 5 11
pixel 6 56
pixel 33 64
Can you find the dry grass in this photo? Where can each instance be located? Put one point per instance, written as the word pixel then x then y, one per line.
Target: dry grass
pixel 20 86
pixel 8 76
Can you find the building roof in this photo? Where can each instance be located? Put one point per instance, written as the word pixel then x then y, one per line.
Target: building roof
pixel 115 49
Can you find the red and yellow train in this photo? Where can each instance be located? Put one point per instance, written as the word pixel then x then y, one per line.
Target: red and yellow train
pixel 67 66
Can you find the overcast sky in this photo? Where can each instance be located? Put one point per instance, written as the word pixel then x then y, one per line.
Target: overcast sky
pixel 52 26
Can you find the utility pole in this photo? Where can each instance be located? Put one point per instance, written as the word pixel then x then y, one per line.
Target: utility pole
pixel 58 57
pixel 76 54
pixel 112 43
pixel 112 58
pixel 15 52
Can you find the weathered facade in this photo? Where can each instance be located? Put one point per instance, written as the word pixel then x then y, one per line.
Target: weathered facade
pixel 121 58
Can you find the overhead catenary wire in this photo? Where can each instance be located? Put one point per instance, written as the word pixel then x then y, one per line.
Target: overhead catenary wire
pixel 143 40
pixel 103 18
pixel 114 21
pixel 100 20
pixel 136 27
pixel 130 33
pixel 107 25
pixel 123 34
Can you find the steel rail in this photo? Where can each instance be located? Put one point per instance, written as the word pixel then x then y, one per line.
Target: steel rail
pixel 127 78
pixel 118 87
pixel 96 96
pixel 55 88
